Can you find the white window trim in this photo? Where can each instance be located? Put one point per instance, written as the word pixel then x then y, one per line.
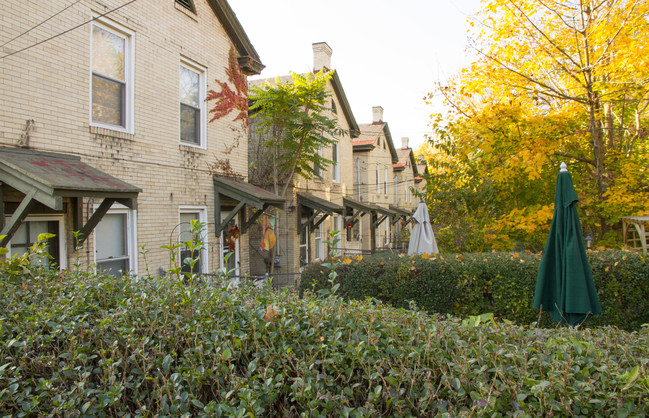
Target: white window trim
pixel 385 181
pixel 378 180
pixel 202 217
pixel 129 74
pixel 318 244
pixel 318 171
pixel 396 189
pixel 131 235
pixel 338 226
pixel 63 253
pixel 237 246
pixel 358 178
pixel 336 162
pixel 202 94
pixel 305 245
pixel 387 232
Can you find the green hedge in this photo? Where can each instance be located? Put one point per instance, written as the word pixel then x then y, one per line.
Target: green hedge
pixel 500 283
pixel 82 344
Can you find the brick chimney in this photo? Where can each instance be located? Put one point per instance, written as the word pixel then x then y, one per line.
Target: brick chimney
pixel 377 114
pixel 321 56
pixel 404 142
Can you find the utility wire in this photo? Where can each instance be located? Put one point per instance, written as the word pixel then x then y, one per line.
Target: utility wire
pixel 44 21
pixel 68 30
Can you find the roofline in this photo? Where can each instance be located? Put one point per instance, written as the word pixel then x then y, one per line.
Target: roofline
pixel 354 130
pixel 248 58
pixel 393 150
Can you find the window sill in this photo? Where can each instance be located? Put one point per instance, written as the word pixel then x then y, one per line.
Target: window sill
pixel 191 148
pixel 99 131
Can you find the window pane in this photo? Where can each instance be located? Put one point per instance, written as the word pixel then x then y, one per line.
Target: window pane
pixel 108 53
pixel 114 267
pixel 107 101
pixel 20 237
pixel 189 84
pixel 189 124
pixel 110 237
pixel 185 225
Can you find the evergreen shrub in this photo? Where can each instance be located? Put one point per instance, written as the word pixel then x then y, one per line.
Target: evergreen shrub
pixel 499 283
pixel 76 343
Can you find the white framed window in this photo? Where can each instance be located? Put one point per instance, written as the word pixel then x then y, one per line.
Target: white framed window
pixel 396 189
pixel 316 170
pixel 338 227
pixel 116 241
pixel 385 182
pixel 407 192
pixel 358 179
pixel 387 232
pixel 187 214
pixel 378 237
pixel 318 245
pixel 378 180
pixel 335 157
pixel 230 242
pixel 111 79
pixel 304 246
pixel 193 115
pixel 27 235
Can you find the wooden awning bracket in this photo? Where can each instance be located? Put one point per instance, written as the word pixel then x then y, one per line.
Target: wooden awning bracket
pixel 18 217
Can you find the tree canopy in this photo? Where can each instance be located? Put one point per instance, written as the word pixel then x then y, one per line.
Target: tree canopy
pixel 554 81
pixel 291 124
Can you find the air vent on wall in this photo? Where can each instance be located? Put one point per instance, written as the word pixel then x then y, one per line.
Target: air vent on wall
pixel 187 4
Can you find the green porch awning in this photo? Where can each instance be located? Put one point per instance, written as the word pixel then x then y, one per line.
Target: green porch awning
pixel 46 178
pixel 401 213
pixel 318 207
pixel 356 209
pixel 235 193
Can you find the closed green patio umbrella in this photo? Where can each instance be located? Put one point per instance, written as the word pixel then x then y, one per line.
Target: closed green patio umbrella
pixel 564 284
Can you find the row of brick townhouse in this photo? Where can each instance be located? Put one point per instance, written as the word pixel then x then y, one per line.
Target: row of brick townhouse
pixel 105 143
pixel 104 130
pixel 367 193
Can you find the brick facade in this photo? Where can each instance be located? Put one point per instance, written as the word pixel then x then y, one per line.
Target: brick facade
pixel 50 84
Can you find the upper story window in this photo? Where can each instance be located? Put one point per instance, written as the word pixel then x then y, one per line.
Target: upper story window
pixel 396 189
pixel 187 4
pixel 336 166
pixel 334 109
pixel 192 105
pixel 378 181
pixel 385 182
pixel 316 170
pixel 112 77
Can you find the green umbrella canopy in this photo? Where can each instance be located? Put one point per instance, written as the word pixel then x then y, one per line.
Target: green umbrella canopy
pixel 564 284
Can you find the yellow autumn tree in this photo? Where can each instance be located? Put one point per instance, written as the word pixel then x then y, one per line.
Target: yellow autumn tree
pixel 555 81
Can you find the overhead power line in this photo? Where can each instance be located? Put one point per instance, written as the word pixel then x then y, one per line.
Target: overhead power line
pixel 44 21
pixel 68 30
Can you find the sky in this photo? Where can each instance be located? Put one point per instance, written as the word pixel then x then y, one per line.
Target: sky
pixel 387 53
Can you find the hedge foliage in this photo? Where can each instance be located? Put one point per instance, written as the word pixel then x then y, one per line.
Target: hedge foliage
pixel 81 344
pixel 500 283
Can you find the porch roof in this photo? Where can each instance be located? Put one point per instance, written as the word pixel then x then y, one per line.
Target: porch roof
pixel 320 204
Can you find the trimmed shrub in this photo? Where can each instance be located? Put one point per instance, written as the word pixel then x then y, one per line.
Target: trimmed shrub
pixel 500 283
pixel 83 344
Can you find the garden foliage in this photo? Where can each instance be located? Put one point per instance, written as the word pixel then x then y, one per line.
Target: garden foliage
pixel 82 344
pixel 500 283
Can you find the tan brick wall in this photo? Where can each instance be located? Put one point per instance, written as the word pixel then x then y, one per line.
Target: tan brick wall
pixel 50 84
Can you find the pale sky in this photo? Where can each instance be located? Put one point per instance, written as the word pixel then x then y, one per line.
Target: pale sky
pixel 387 53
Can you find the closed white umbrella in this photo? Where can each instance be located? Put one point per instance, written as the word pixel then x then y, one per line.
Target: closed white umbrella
pixel 422 238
